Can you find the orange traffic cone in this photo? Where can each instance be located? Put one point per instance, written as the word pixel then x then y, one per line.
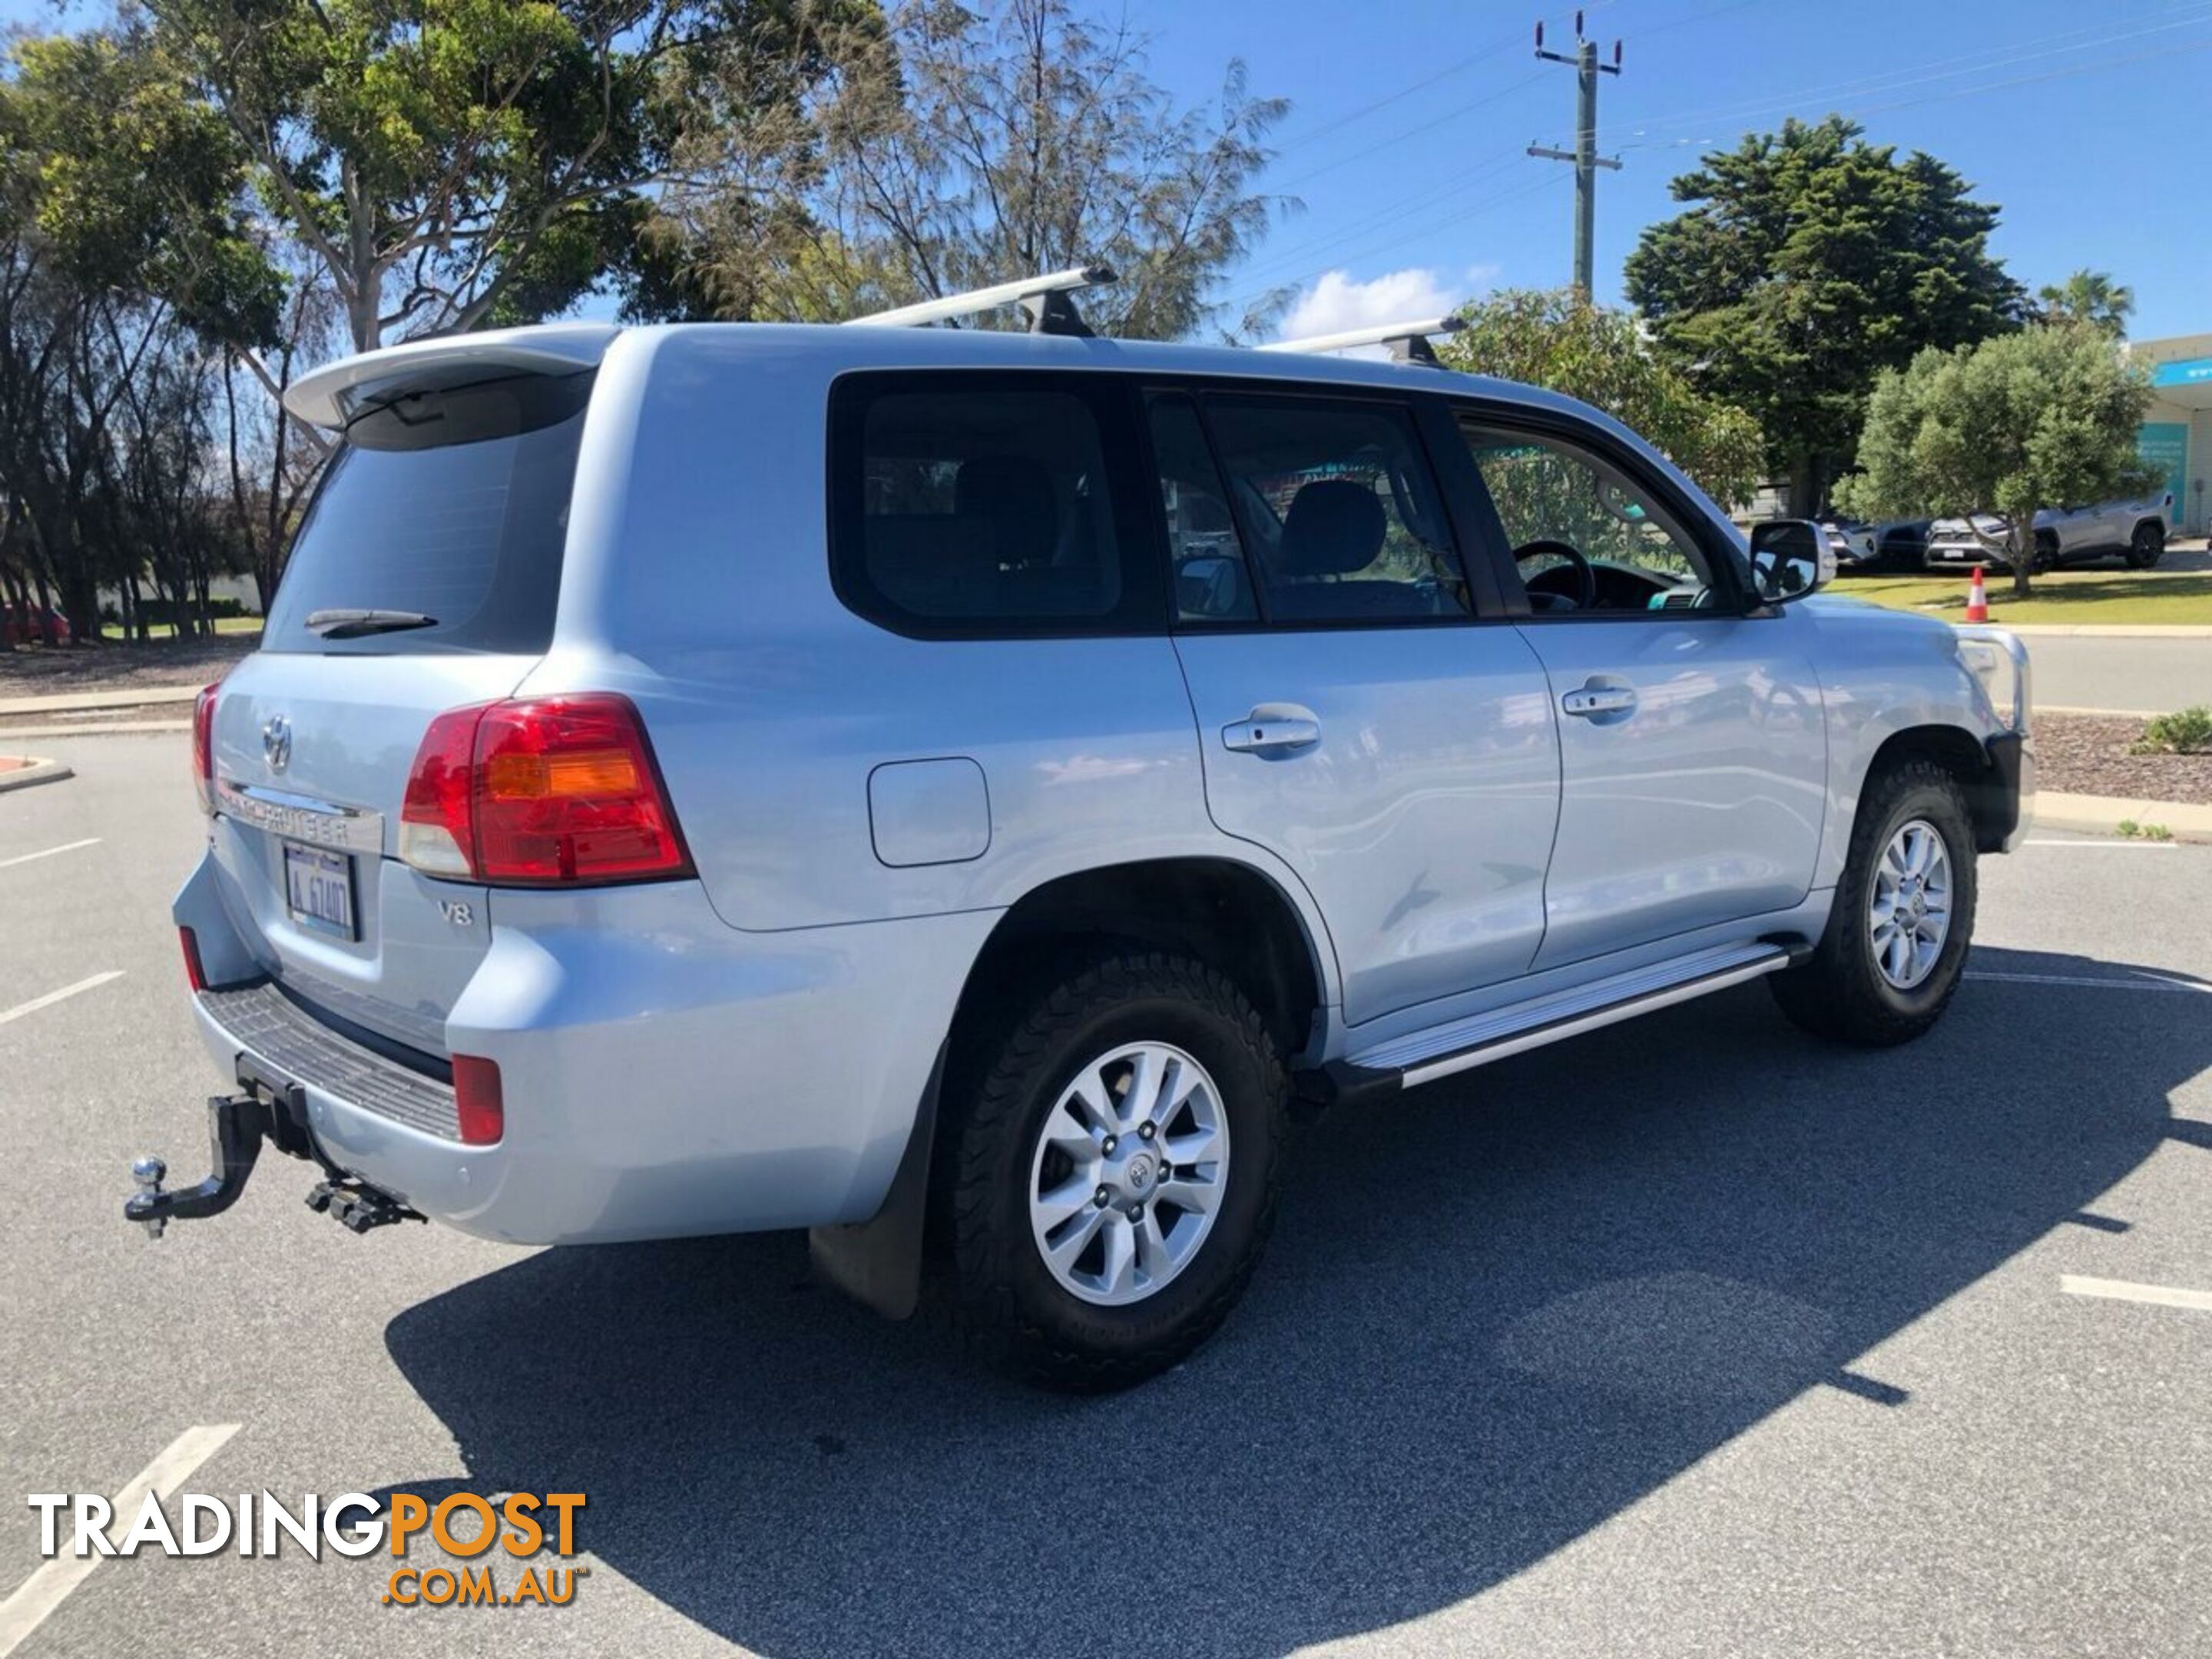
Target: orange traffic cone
pixel 1978 598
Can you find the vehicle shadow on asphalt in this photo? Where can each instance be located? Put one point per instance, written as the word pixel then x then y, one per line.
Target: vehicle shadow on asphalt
pixel 1493 1317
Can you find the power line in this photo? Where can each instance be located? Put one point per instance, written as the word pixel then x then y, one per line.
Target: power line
pixel 1400 136
pixel 1646 134
pixel 1423 200
pixel 1300 140
pixel 1342 261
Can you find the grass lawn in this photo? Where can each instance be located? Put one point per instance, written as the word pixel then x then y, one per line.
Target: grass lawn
pixel 167 630
pixel 2063 597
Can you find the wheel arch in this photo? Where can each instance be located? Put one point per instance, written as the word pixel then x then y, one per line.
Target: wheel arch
pixel 1225 911
pixel 1962 755
pixel 1229 912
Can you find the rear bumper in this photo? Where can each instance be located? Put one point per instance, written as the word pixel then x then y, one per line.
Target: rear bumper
pixel 1963 554
pixel 664 1074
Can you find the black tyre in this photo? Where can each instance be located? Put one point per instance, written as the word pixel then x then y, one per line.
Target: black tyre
pixel 2045 557
pixel 1912 861
pixel 2145 547
pixel 1113 1170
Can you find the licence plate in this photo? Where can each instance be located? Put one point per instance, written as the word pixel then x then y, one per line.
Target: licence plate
pixel 318 887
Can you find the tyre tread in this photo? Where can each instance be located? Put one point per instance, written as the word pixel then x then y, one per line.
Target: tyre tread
pixel 986 1314
pixel 1833 993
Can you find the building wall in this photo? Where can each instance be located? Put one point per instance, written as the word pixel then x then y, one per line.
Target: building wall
pixel 2181 391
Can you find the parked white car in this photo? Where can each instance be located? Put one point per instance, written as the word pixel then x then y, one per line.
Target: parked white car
pixel 2135 530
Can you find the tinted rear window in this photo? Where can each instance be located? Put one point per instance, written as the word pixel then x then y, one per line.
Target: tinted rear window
pixel 452 504
pixel 981 505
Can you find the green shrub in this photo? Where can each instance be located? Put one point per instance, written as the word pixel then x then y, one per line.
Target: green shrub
pixel 2188 732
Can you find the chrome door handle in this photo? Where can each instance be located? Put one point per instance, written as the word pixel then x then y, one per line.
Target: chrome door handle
pixel 1599 700
pixel 1262 734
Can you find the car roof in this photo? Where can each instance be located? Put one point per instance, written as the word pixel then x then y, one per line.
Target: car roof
pixel 329 395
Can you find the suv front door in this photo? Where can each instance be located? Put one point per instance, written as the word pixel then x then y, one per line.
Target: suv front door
pixel 1355 716
pixel 1693 751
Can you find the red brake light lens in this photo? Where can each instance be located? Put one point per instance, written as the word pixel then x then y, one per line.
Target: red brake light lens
pixel 547 791
pixel 195 975
pixel 437 832
pixel 203 746
pixel 479 1100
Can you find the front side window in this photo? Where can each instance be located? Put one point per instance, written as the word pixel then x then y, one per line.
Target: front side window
pixel 980 509
pixel 1342 521
pixel 1583 536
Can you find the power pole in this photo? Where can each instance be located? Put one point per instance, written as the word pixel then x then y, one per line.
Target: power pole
pixel 1584 155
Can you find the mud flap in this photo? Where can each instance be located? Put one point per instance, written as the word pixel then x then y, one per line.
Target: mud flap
pixel 877 1262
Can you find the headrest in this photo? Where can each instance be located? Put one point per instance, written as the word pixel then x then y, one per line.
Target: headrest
pixel 1011 494
pixel 1334 527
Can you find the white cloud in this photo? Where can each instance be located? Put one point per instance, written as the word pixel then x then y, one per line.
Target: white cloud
pixel 1337 302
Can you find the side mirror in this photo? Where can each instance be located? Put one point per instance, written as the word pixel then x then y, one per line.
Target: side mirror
pixel 1789 558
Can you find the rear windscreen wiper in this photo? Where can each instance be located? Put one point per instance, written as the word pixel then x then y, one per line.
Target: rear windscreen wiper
pixel 353 624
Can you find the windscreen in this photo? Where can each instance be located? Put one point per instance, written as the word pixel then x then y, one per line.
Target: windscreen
pixel 440 524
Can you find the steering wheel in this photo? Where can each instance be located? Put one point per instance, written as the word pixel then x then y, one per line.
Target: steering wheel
pixel 1585 578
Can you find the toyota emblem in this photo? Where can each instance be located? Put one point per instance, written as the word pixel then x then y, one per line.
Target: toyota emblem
pixel 277 742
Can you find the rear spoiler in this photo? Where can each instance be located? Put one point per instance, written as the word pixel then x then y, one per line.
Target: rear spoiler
pixel 332 395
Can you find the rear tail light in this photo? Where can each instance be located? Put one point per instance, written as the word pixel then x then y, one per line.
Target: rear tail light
pixel 546 791
pixel 203 746
pixel 195 975
pixel 478 1100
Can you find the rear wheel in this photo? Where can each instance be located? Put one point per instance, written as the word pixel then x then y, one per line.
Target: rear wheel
pixel 1889 961
pixel 1115 1170
pixel 2145 547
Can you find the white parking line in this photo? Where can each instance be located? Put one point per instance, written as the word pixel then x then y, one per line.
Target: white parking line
pixel 2094 984
pixel 2116 1290
pixel 66 846
pixel 52 997
pixel 46 1588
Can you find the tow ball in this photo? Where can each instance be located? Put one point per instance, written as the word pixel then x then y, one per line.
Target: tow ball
pixel 266 1109
pixel 236 1125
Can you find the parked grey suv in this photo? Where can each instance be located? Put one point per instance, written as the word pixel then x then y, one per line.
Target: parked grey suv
pixel 961 792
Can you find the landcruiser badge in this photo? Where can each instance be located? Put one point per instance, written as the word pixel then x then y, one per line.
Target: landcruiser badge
pixel 277 742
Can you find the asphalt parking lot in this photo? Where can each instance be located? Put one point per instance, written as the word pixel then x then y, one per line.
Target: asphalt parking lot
pixel 1690 1337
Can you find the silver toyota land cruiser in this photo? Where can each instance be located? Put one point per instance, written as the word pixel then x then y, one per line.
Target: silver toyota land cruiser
pixel 961 791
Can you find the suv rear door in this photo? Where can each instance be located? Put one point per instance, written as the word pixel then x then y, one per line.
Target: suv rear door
pixel 1355 715
pixel 423 578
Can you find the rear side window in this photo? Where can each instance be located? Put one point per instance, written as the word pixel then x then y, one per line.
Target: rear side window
pixel 440 525
pixel 1212 583
pixel 969 506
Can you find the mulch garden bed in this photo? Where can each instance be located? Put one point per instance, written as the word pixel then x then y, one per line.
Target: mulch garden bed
pixel 40 671
pixel 2087 754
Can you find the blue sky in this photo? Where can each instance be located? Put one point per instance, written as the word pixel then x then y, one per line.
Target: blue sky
pixel 2083 121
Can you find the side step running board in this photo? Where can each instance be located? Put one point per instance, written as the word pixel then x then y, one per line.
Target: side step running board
pixel 1422 1057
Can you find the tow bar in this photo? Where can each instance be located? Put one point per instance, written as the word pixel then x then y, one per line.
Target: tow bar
pixel 271 1108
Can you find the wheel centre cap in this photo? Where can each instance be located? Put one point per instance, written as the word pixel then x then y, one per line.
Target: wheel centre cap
pixel 1139 1173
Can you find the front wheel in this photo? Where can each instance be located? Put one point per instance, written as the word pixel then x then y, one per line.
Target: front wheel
pixel 1114 1170
pixel 1890 959
pixel 2147 547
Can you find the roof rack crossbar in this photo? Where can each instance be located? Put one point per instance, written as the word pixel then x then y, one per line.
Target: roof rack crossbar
pixel 1408 341
pixel 1044 299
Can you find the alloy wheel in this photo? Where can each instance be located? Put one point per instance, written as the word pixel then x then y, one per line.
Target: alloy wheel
pixel 1127 1173
pixel 1908 915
